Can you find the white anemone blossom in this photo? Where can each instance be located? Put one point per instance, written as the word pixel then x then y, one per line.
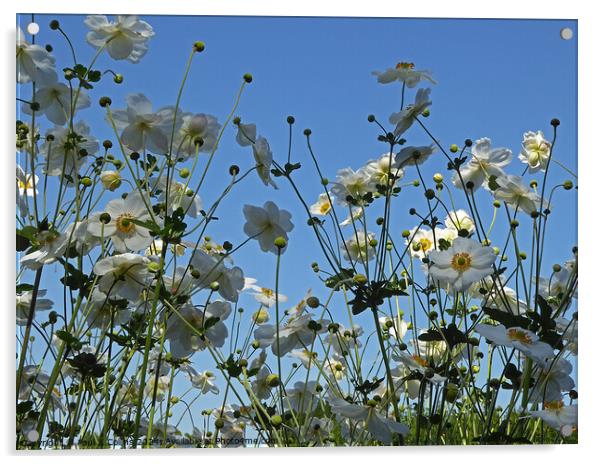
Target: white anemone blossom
pixel 464 263
pixel 559 416
pixel 552 379
pixel 422 241
pixel 266 296
pixel 124 233
pixel 358 247
pixel 485 162
pixel 246 134
pixel 512 191
pixel 203 381
pixel 123 276
pixel 263 160
pixel 179 196
pixel 194 126
pixel 404 72
pixel 125 38
pixel 385 170
pixel 536 151
pixel 321 207
pixel 55 100
pixel 24 305
pixel 523 340
pixel 351 183
pixel 25 189
pixel 379 426
pixel 49 247
pixel 103 312
pixel 212 269
pixel 142 128
pixel 414 155
pixel 34 63
pixel 295 333
pixel 192 329
pixel 266 223
pixel 459 219
pixel 64 154
pixel 404 119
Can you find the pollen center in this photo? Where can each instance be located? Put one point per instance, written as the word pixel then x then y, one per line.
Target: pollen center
pixel 124 223
pixel 461 262
pixel 404 65
pixel 519 336
pixel 425 244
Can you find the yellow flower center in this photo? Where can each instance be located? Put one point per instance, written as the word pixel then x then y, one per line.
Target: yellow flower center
pixel 425 244
pixel 404 65
pixel 27 185
pixel 124 223
pixel 520 336
pixel 324 207
pixel 553 405
pixel 268 292
pixel 461 262
pixel 423 362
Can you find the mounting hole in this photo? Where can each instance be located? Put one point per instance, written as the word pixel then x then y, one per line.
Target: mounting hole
pixel 566 33
pixel 33 28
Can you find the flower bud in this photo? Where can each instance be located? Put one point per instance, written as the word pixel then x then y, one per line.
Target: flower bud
pixel 272 380
pixel 290 120
pixel 104 102
pixel 118 78
pixel 280 242
pixel 105 218
pixel 214 286
pixel 568 185
pixel 453 148
pixel 360 279
pixel 248 78
pixel 261 316
pixel 111 180
pixel 276 420
pixel 234 170
pixel 184 173
pixel 557 267
pixel 54 25
pixel 199 46
pixel 313 302
pixel 86 181
pixel 438 178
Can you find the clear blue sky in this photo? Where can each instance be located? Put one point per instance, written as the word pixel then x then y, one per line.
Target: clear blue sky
pixel 497 79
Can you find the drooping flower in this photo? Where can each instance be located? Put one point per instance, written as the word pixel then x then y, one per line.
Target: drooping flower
pixel 263 160
pixel 141 128
pixel 404 119
pixel 385 170
pixel 67 152
pixel 321 207
pixel 246 134
pixel 34 62
pixel 125 38
pixel 266 296
pixel 523 340
pixel 25 189
pixel 202 381
pixel 459 219
pixel 55 100
pixel 408 156
pixel 111 180
pixel 485 162
pixel 50 245
pixel 553 377
pixel 535 151
pixel 195 126
pixel 125 234
pixel 512 191
pixel 297 332
pixel 266 223
pixel 358 247
pixel 559 416
pixel 123 276
pixel 405 73
pixel 24 305
pixel 379 426
pixel 193 329
pixel 464 263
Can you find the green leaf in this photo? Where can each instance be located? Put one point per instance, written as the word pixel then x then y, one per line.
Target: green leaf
pixel 507 319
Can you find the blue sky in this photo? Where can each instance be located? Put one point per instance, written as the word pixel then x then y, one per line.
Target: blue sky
pixel 496 78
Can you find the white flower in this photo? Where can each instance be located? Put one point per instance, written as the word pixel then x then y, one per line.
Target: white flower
pixel 558 416
pixel 569 329
pixel 263 160
pixel 34 63
pixel 111 180
pixel 422 242
pixel 208 322
pixel 123 276
pixel 385 170
pixel 155 248
pixel 523 340
pixel 201 380
pixel 335 367
pixel 266 223
pixel 55 102
pixel 552 378
pixel 512 191
pixel 125 234
pixel 557 286
pixel 50 246
pixel 25 189
pixel 356 213
pixel 379 427
pixel 351 183
pixel 396 327
pixel 212 269
pixel 35 381
pixel 180 196
pixel 414 155
pixel 535 151
pixel 24 305
pixel 358 247
pixel 62 155
pixel 306 357
pixel 419 363
pixel 246 135
pixel 464 263
pixel 303 396
pixel 124 38
pixel 260 385
pixel 266 296
pixel 404 119
pixel 485 162
pixel 459 219
pixel 102 311
pixel 77 236
pixel 404 72
pixel 142 128
pixel 321 207
pixel 162 387
pixel 194 126
pixel 295 333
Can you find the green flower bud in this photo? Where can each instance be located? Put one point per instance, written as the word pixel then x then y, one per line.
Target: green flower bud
pixel 313 302
pixel 438 178
pixel 184 173
pixel 104 101
pixel 248 78
pixel 453 148
pixel 199 46
pixel 214 286
pixel 276 420
pixel 219 423
pixel 360 279
pixel 118 78
pixel 280 242
pixel 272 380
pixel 568 185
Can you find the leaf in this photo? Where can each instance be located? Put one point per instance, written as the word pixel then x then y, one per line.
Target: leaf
pixel 24 288
pixel 339 279
pixel 69 339
pixel 24 407
pixel 507 319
